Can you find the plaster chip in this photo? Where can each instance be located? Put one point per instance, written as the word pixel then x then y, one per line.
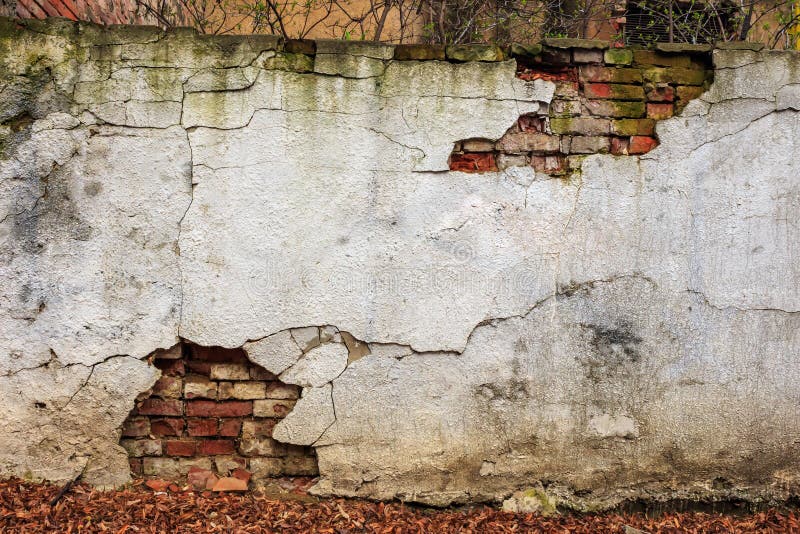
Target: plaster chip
pixel 275 353
pixel 318 366
pixel 309 419
pixel 306 338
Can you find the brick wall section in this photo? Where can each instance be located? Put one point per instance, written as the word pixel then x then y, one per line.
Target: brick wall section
pixel 209 419
pixel 100 11
pixel 607 101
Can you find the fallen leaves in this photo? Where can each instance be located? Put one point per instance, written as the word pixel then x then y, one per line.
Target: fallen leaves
pixel 24 507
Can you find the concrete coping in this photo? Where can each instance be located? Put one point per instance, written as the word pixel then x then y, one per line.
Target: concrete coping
pixel 91 34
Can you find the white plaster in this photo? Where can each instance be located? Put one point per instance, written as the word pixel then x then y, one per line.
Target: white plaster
pixel 318 366
pixel 309 419
pixel 275 353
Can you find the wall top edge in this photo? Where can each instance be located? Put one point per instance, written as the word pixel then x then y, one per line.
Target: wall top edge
pixel 551 51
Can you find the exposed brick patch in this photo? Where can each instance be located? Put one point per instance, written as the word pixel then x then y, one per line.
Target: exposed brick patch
pixel 473 162
pixel 604 102
pixel 212 412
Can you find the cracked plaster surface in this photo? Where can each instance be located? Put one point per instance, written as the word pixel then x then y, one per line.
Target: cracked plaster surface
pixel 630 331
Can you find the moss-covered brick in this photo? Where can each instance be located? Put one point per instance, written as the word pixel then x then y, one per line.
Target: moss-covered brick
pixel 686 93
pixel 651 57
pixel 474 53
pixel 525 50
pixel 598 73
pixel 291 62
pixel 613 91
pixel 615 108
pixel 565 108
pixel 628 127
pixel 689 76
pixel 580 126
pixel 677 76
pixel 419 52
pixel 618 56
pixel 659 92
pixel 301 46
pixel 659 111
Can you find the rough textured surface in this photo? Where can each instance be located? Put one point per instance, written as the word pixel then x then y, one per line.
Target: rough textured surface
pixel 626 330
pixel 212 402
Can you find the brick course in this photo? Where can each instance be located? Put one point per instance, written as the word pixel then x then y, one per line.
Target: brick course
pixel 606 101
pixel 213 403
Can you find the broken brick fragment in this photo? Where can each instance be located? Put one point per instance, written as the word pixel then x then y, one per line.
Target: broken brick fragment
pixel 156 484
pixel 640 144
pixel 473 162
pixel 154 406
pixel 230 484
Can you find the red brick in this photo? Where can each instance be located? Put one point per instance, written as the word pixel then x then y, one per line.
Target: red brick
pixel 219 354
pixel 136 427
pixel 166 427
pixel 168 386
pixel 230 484
pixel 216 446
pixel 641 144
pixel 272 408
pixel 659 111
pixel 619 146
pixel 473 162
pixel 153 406
pixel 201 427
pixel 548 164
pixel 258 428
pixel 206 408
pixel 230 427
pixel 531 123
pixel 199 367
pixel 156 484
pixel 598 73
pixel 660 93
pixel 180 448
pixel 171 367
pixel 597 90
pixel 198 477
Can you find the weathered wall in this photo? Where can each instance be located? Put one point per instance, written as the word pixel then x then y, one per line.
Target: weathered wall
pixel 625 327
